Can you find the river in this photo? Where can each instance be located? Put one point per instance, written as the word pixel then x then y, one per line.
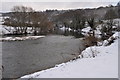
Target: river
pixel 24 57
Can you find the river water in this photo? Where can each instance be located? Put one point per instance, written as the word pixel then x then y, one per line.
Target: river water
pixel 24 57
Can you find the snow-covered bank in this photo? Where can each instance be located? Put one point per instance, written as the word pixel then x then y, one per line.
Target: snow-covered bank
pixel 103 65
pixel 20 38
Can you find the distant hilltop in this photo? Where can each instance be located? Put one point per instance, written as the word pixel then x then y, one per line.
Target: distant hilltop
pixel 99 12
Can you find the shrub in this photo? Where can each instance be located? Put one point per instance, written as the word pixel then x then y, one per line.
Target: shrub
pixel 90 41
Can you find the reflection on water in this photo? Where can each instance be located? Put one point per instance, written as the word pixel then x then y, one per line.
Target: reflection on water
pixel 69 33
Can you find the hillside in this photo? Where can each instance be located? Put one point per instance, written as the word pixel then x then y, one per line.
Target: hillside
pixel 98 12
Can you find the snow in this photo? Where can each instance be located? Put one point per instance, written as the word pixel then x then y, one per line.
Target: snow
pixel 3 28
pixel 116 35
pixel 20 38
pixel 103 65
pixel 86 30
pixel 63 29
pixel 9 30
pixel 117 20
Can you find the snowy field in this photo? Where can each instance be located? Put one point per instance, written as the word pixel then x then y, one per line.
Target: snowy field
pixel 104 65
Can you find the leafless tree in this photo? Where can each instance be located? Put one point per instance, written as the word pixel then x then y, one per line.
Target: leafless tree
pixel 24 17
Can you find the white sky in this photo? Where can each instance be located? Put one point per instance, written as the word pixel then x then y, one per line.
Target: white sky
pixel 39 5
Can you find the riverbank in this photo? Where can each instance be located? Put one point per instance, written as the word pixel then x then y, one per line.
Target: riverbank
pixel 20 38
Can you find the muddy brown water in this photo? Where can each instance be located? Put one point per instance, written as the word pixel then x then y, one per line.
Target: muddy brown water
pixel 24 57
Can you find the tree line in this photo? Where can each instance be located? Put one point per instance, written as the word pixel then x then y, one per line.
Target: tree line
pixel 24 18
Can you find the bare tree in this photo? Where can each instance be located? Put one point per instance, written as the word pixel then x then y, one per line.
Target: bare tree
pixel 91 22
pixel 24 17
pixel 19 19
pixel 40 23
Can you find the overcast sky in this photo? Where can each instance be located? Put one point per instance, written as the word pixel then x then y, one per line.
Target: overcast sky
pixel 40 5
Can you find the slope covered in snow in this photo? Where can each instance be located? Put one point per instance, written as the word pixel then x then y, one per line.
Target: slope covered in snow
pixel 103 65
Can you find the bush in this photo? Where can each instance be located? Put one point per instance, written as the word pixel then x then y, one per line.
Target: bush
pixel 90 41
